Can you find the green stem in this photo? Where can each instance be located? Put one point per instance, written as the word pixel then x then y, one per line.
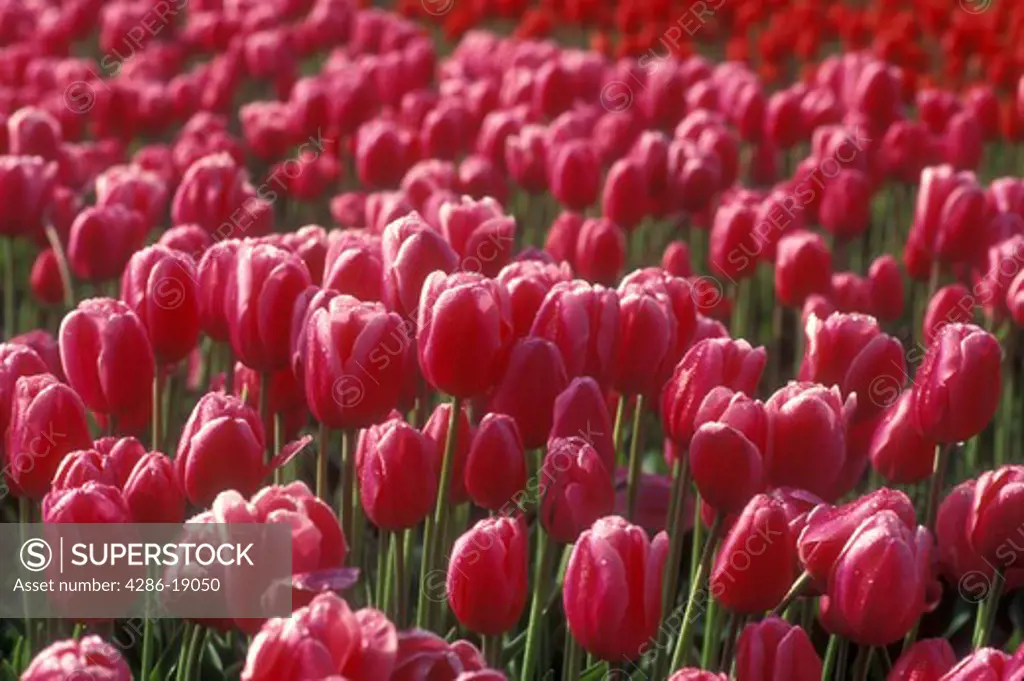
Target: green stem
pixel 158 408
pixel 435 522
pixel 264 403
pixel 186 636
pixel 712 634
pixel 795 591
pixel 686 634
pixel 62 266
pixel 24 518
pixel 543 567
pixel 321 464
pixel 573 657
pixel 828 672
pixel 862 663
pixel 620 416
pixel 398 544
pixel 147 647
pixel 987 610
pixel 635 460
pixel 938 482
pixel 492 651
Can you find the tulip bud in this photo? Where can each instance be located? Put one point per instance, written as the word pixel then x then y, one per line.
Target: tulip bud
pixel 964 142
pixel 925 660
pixel 102 240
pixel 534 378
pixel 354 362
pixel 107 355
pixel 323 639
pixel 412 250
pixel 160 285
pixel 213 273
pixel 261 292
pixel 612 588
pixel 136 189
pixel 91 503
pixel 453 308
pixel 829 528
pixel 436 428
pixel 876 591
pixel 995 516
pixel 950 304
pixel 707 364
pixel 985 663
pixel 676 259
pixel 528 282
pixel 152 491
pixel 577 489
pixel 120 456
pixel 487 575
pixel 45 279
pixel 581 411
pixel 425 655
pixel 221 448
pixel 480 234
pixel 734 244
pixel 624 200
pixel 808 436
pixel 353 265
pixel 383 153
pixel 803 266
pixel 846 203
pixel 574 174
pixel 774 650
pixel 397 467
pixel 588 348
pixel 26 188
pixel 886 286
pixel 600 251
pixel 46 346
pixel 495 468
pixel 87 658
pixel 647 328
pixel 957 386
pixel 15 361
pixel 850 351
pixel 526 155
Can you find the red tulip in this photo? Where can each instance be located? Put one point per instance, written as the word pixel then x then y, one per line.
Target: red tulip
pixel 398 468
pixel 774 650
pixel 214 273
pixel 436 428
pixel 91 503
pixel 829 528
pixel 600 251
pixel 925 660
pixel 528 282
pixel 119 457
pixel 526 153
pixel 444 131
pixel 45 280
pixel 1015 299
pixel 26 187
pixel 647 328
pixel 102 241
pixel 577 489
pixel 107 356
pixel 354 265
pixel 803 267
pixel 581 411
pixel 153 493
pixel 216 194
pixel 425 656
pixel 48 349
pixel 624 198
pixel 574 174
pixel 383 153
pixel 583 321
pixel 533 379
pixel 192 240
pixel 487 575
pixel 324 639
pixel 221 448
pixel 612 588
pixel 957 386
pixel 850 351
pixel 89 658
pixel 876 591
pixel 707 365
pixel 34 132
pixel 898 451
pixel 354 360
pixel 963 141
pixel 480 233
pixel 886 285
pixel 411 251
pixel 985 663
pixel 136 189
pixel 160 286
pixel 261 292
pixel 691 674
pixel 15 361
pixel 845 204
pixel 676 259
pixel 950 304
pixel 495 468
pixel 456 307
pixel 734 245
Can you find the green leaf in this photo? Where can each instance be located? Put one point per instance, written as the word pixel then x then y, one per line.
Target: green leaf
pixel 7 672
pixel 596 673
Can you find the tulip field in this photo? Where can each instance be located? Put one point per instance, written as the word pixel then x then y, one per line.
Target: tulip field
pixel 553 340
